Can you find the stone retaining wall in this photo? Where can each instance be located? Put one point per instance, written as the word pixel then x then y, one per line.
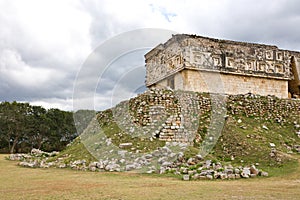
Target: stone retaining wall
pixel 177 116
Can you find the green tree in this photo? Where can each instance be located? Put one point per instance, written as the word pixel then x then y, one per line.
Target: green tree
pixel 62 129
pixel 39 127
pixel 23 127
pixel 14 118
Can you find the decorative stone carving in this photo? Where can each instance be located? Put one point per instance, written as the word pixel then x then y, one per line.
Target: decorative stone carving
pixel 200 53
pixel 202 59
pixel 279 55
pixel 230 63
pixel 250 65
pixel 217 60
pixel 269 55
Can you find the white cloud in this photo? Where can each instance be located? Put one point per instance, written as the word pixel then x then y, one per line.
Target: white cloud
pixel 15 70
pixel 56 29
pixel 44 43
pixel 63 104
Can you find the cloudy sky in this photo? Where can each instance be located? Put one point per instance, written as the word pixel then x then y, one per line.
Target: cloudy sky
pixel 47 45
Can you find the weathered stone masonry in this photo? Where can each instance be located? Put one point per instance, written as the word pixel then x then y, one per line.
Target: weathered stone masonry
pixel 194 63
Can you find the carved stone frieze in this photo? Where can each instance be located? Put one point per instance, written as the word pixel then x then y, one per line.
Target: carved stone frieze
pixel 200 53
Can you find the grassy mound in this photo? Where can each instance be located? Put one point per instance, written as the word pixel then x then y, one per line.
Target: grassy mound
pixel 258 130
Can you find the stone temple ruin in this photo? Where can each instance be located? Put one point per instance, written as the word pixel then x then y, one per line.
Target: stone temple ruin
pixel 191 63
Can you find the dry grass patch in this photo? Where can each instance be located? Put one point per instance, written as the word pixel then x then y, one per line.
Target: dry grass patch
pixel 24 183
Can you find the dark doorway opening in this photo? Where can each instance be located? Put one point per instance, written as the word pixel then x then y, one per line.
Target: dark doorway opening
pixel 294 83
pixel 171 82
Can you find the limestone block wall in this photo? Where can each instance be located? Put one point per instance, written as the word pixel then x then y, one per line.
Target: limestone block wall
pixel 177 78
pixel 202 81
pixel 181 115
pixel 168 115
pixel 256 85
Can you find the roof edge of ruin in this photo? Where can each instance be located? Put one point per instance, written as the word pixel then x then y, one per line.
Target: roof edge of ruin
pixel 226 41
pixel 176 37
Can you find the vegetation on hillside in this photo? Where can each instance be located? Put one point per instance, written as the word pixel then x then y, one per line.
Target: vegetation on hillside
pixel 258 130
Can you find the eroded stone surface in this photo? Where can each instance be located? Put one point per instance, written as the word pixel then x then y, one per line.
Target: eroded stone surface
pixel 190 62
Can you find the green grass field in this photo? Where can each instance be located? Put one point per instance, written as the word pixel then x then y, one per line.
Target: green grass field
pixel 26 183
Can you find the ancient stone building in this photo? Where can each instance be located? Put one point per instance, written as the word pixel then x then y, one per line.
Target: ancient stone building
pixel 195 63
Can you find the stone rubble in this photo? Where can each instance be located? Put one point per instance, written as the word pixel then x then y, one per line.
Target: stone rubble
pixel 194 168
pixel 35 153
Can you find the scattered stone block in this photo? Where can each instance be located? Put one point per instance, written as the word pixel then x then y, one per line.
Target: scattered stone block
pixel 265 127
pixel 272 145
pixel 264 174
pixel 125 145
pixel 186 177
